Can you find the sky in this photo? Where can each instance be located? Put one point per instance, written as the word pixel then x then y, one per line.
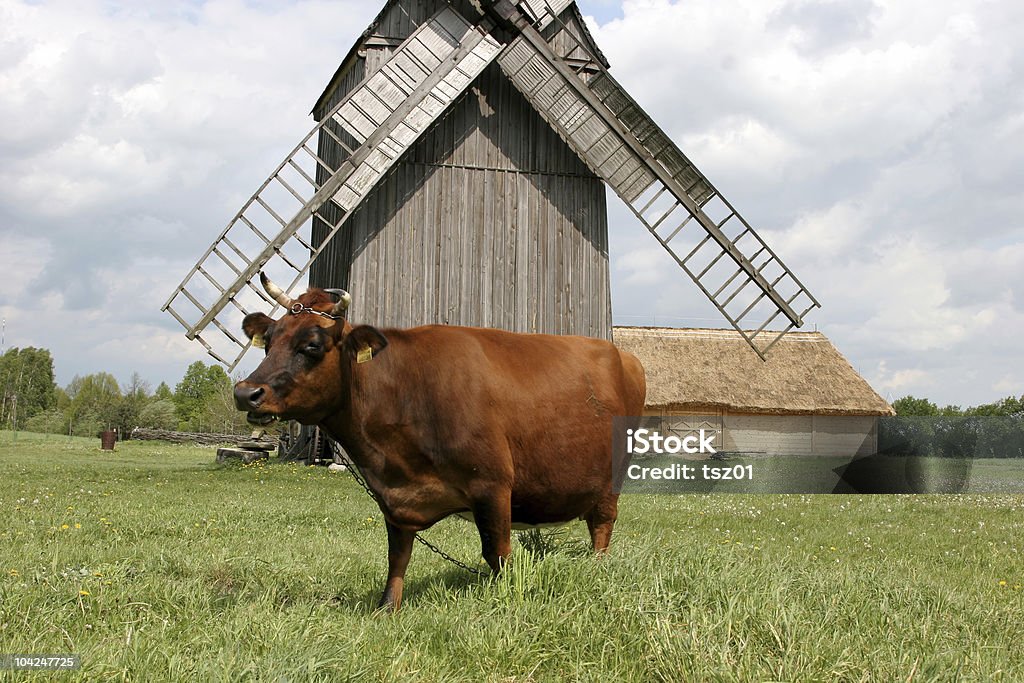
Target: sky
pixel 876 145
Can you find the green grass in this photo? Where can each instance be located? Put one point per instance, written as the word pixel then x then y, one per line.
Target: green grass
pixel 155 564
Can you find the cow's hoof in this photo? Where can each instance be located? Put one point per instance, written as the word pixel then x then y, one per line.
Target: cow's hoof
pixel 386 607
pixel 389 601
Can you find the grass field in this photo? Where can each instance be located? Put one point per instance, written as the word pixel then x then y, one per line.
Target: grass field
pixel 154 564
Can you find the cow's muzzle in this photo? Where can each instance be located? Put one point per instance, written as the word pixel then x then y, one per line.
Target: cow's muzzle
pixel 249 399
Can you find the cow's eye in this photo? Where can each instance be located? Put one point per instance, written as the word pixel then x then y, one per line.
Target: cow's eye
pixel 312 349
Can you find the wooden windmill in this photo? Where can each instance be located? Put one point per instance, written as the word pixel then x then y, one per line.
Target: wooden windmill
pixel 456 175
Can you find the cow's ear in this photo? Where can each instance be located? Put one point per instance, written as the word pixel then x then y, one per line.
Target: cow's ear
pixel 256 324
pixel 364 342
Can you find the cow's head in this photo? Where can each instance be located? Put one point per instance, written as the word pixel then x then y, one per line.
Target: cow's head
pixel 309 351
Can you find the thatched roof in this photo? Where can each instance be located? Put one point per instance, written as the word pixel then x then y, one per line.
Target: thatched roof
pixel 699 370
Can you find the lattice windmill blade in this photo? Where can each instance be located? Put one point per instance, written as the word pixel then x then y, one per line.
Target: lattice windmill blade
pixel 382 117
pixel 708 238
pixel 385 115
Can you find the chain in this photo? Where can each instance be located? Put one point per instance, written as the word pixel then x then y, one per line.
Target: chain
pixel 446 556
pixel 297 308
pixel 351 468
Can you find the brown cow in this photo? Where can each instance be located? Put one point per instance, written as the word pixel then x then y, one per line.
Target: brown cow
pixel 513 429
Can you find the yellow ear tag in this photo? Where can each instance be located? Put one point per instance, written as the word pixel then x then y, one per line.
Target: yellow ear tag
pixel 364 354
pixel 258 341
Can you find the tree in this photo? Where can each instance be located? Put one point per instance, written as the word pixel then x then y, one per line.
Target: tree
pixel 220 413
pixel 1004 407
pixel 1013 407
pixel 953 432
pixel 63 401
pixel 95 403
pixel 135 398
pixel 200 385
pixel 26 385
pixel 1003 437
pixel 909 406
pixel 85 423
pixel 159 414
pixel 163 393
pixel 49 421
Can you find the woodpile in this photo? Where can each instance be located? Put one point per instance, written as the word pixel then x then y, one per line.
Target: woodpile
pixel 202 439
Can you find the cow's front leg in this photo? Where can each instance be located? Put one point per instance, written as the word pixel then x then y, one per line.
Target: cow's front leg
pixel 399 551
pixel 493 514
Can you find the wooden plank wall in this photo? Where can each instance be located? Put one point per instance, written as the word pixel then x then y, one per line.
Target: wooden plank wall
pixel 489 220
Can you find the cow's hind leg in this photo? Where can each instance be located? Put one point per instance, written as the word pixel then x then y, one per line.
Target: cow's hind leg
pixel 492 512
pixel 600 521
pixel 399 551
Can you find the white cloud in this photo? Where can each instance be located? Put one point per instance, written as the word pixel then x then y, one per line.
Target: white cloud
pixel 876 143
pixel 1009 386
pixel 642 267
pixel 132 132
pixel 898 382
pixel 828 233
pixel 876 146
pixel 739 145
pixel 22 258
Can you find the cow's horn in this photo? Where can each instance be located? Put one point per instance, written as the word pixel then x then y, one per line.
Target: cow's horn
pixel 275 292
pixel 344 300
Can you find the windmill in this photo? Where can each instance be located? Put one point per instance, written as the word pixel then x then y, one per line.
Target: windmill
pixel 423 78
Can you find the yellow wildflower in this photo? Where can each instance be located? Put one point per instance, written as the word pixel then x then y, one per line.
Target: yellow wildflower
pixel 83 593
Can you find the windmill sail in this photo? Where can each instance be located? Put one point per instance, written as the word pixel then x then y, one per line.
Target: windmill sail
pixel 385 114
pixel 707 237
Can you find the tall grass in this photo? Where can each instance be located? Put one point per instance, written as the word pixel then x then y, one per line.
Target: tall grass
pixel 155 564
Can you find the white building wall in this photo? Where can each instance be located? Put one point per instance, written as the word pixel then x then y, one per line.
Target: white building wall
pixel 820 435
